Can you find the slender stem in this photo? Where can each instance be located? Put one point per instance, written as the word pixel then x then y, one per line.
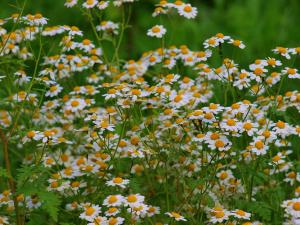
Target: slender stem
pixel 124 26
pixel 90 18
pixel 15 24
pixel 11 181
pixel 27 91
pixel 252 181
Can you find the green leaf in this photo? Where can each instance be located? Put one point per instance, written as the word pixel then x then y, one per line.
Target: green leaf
pixel 51 203
pixel 24 173
pixel 36 219
pixel 30 179
pixel 292 115
pixel 3 173
pixel 262 210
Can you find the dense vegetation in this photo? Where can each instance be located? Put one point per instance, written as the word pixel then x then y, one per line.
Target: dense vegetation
pixel 147 112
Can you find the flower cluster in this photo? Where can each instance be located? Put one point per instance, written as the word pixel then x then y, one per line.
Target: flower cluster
pixel 177 136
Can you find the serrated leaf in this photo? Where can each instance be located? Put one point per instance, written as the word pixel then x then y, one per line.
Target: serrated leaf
pixel 35 219
pixel 24 173
pixel 30 177
pixel 262 210
pixel 3 172
pixel 51 203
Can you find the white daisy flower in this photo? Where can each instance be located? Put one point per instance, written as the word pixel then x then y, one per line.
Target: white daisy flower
pixel 258 147
pixel 54 90
pixel 157 31
pixel 114 200
pixel 237 43
pixel 187 11
pixel 70 3
pixel 115 220
pixel 90 4
pixel 103 5
pixel 118 181
pixel 291 72
pixel 240 214
pixel 75 104
pixel 283 52
pixel 176 216
pixel 90 212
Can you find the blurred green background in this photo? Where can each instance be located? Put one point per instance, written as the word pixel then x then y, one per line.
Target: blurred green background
pixel 261 24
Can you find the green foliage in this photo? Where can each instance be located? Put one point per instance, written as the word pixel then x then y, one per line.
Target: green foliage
pixel 182 176
pixel 30 177
pixel 31 180
pixel 36 219
pixel 51 203
pixel 262 210
pixel 3 173
pixel 261 24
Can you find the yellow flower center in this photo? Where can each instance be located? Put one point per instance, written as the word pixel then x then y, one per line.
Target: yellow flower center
pixel 296 206
pixel 90 2
pixel 281 50
pixel 247 126
pixel 117 180
pixel 219 214
pixel 135 91
pixel 112 91
pixel 54 184
pixel 231 122
pixel 112 210
pixel 89 211
pixel 258 71
pixel 31 134
pixel 223 175
pixel 235 106
pixel 178 98
pixel 86 42
pixel 276 158
pixel 112 221
pixel 291 175
pixel 240 212
pixel 112 199
pixel 214 136
pixel 280 124
pixel 213 106
pixel 266 134
pixel 259 145
pixel 220 35
pixel 236 42
pixel 49 161
pixel 53 88
pixel 75 103
pixel 75 184
pixel 175 215
pixel 242 75
pixel 211 41
pixel 271 62
pixel 48 133
pixel 219 144
pixel 131 198
pixel 291 71
pixel 201 54
pixel 104 124
pixel 208 116
pixel 188 9
pixel 38 16
pixel 155 29
pixel 178 3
